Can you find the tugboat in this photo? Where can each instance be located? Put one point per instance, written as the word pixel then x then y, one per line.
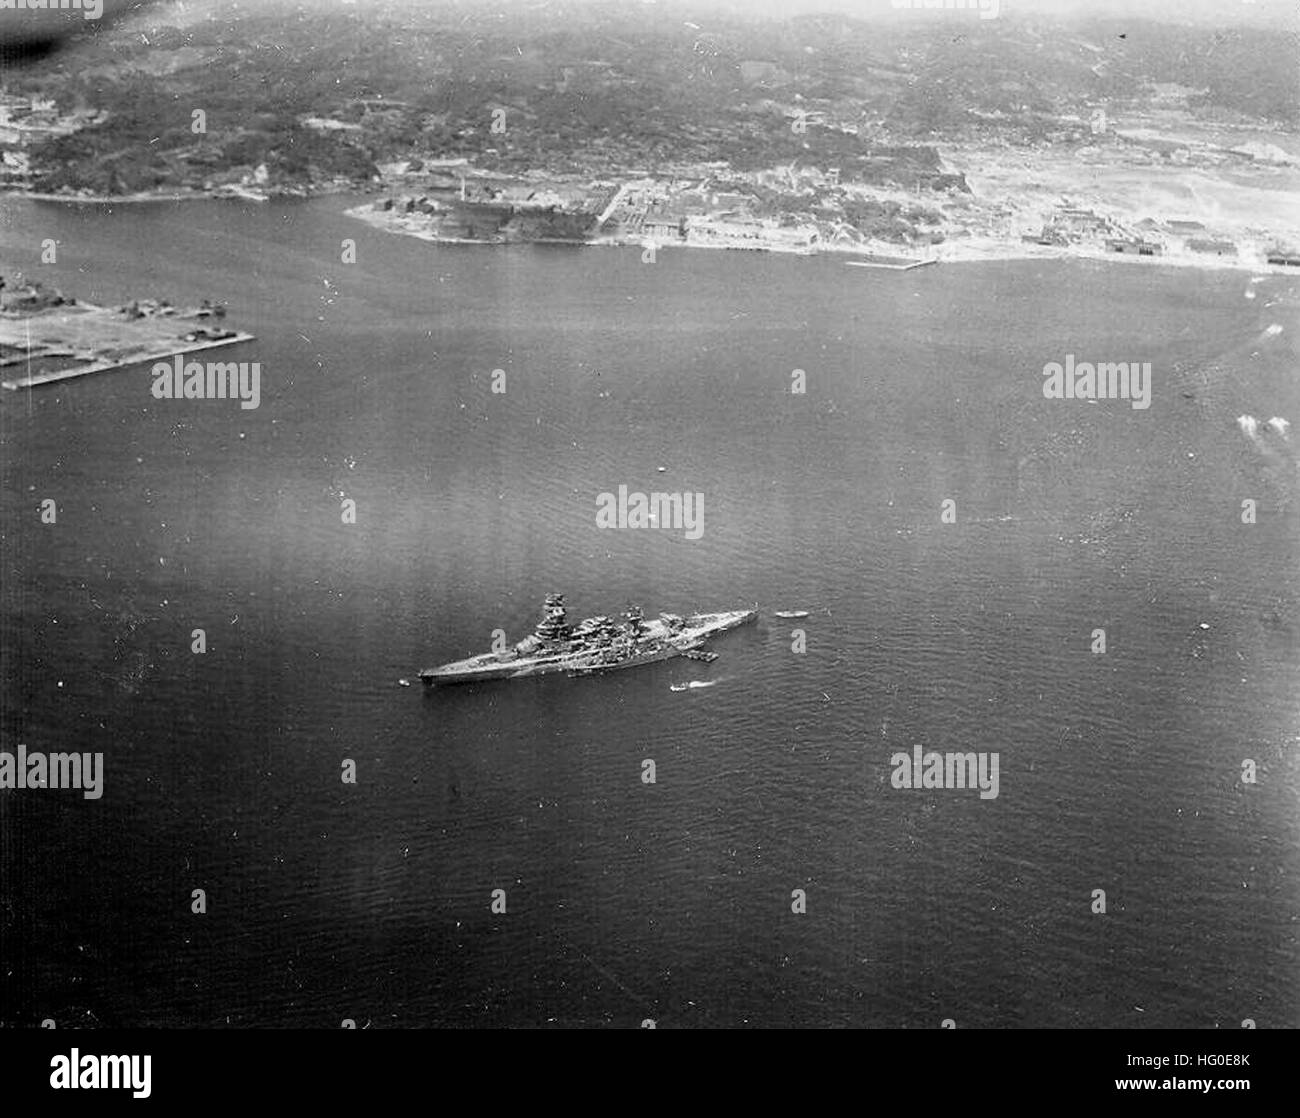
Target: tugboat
pixel 597 644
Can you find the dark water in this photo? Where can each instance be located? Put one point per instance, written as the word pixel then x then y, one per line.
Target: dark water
pixel 670 901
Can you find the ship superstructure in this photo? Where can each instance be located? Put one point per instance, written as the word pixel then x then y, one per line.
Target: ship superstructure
pixel 594 644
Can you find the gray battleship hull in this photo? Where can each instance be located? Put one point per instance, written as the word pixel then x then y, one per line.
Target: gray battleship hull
pixel 657 642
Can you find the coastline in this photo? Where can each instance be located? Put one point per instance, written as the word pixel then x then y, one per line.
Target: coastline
pixel 112 199
pixel 967 251
pixel 215 194
pixel 986 251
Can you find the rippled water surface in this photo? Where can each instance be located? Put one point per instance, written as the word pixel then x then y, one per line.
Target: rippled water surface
pixel 670 901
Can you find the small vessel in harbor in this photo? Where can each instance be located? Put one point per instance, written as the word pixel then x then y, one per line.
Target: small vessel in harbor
pixel 790 613
pixel 594 645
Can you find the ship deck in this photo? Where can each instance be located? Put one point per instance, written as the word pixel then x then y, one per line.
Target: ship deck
pixel 657 642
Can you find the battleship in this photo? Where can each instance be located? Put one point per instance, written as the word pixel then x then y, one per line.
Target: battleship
pixel 597 644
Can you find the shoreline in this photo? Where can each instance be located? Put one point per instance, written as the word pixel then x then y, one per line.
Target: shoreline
pixel 217 194
pixel 112 199
pixel 994 250
pixel 973 251
pixel 966 251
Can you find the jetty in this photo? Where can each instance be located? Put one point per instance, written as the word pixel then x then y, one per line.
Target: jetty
pixel 34 380
pixel 897 263
pixel 46 338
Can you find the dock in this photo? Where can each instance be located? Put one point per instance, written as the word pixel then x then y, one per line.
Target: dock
pixel 896 263
pixel 35 380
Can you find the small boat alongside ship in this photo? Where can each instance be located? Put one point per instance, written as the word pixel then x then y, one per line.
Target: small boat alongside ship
pixel 597 644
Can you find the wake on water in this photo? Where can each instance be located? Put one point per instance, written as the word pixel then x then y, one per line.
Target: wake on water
pixel 1275 424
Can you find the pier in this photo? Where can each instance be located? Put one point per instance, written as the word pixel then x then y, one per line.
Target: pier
pixel 35 380
pixel 49 338
pixel 896 263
